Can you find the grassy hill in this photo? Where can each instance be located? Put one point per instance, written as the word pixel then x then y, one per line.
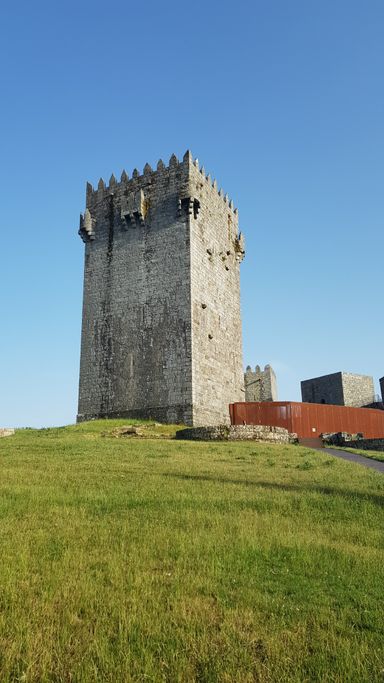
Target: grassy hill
pixel 149 559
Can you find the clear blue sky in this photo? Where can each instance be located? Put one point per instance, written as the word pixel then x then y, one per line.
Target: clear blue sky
pixel 282 101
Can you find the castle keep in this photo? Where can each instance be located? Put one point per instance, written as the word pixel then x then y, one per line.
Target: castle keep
pixel 161 329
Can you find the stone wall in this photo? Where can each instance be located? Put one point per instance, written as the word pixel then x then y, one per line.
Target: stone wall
pixel 352 441
pixel 161 329
pixel 367 444
pixel 237 433
pixel 339 388
pixel 217 250
pixel 260 385
pixel 339 438
pixel 358 390
pixel 326 389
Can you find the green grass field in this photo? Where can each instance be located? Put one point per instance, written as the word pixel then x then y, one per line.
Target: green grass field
pixel 133 559
pixel 375 455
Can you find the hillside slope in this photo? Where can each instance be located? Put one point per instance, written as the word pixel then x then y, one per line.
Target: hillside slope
pixel 149 559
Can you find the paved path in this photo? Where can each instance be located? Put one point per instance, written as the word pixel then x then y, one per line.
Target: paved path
pixel 355 457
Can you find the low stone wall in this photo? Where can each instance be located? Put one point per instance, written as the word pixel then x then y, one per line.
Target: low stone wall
pixel 352 441
pixel 339 438
pixel 366 444
pixel 6 432
pixel 237 433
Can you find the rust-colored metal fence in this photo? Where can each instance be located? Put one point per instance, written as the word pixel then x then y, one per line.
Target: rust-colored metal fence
pixel 309 420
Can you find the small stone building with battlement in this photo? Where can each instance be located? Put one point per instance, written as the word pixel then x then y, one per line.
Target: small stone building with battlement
pixel 339 388
pixel 161 325
pixel 260 385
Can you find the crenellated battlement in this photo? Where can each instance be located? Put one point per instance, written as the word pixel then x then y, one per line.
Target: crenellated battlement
pixel 149 175
pixel 260 385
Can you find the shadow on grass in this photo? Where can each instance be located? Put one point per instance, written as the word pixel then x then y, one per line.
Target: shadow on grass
pixel 376 499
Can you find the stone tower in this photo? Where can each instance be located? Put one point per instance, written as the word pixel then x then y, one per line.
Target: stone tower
pixel 339 388
pixel 260 385
pixel 161 329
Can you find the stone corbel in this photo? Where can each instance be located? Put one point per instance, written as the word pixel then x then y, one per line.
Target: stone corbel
pixel 189 206
pixel 86 229
pixel 239 245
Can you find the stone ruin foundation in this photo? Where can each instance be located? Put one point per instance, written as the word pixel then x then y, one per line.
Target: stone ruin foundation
pixel 261 433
